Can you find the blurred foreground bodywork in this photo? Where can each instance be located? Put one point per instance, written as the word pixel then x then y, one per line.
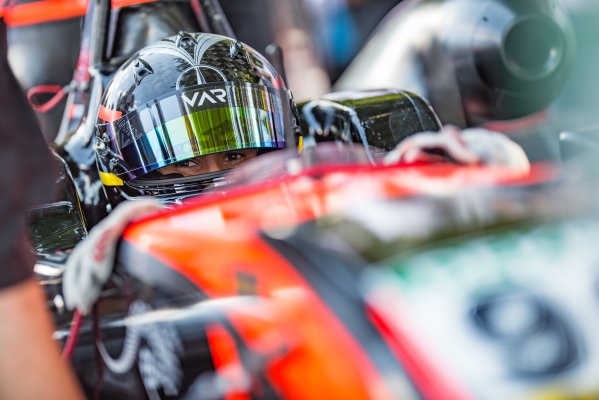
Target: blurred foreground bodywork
pixel 354 281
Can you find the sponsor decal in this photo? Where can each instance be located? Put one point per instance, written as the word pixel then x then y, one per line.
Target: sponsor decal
pixel 200 97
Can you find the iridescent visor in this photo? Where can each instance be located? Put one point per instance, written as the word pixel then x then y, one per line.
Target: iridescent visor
pixel 195 122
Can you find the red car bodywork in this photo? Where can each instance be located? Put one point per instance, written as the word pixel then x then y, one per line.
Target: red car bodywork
pixel 214 242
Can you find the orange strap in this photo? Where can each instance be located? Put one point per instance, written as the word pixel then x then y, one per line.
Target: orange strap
pixel 51 10
pixel 58 92
pixel 107 115
pixel 43 11
pixel 125 3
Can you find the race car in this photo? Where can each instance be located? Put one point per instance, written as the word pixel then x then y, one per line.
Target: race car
pixel 328 274
pixel 351 280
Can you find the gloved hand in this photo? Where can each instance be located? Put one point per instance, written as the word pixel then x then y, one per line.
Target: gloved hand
pixel 90 263
pixel 468 146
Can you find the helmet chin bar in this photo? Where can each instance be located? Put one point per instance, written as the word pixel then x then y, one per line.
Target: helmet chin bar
pixel 173 187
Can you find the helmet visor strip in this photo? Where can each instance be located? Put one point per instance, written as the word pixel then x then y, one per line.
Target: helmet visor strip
pixel 198 121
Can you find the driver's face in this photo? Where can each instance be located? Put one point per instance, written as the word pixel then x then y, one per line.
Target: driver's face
pixel 209 163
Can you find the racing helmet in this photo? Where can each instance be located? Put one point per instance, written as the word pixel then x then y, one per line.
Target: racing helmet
pixel 188 95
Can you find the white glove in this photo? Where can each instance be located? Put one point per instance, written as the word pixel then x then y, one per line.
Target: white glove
pixel 468 146
pixel 90 263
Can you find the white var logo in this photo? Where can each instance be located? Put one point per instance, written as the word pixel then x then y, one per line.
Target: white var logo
pixel 218 94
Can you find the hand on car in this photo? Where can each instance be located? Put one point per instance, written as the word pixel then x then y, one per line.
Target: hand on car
pixel 468 146
pixel 90 263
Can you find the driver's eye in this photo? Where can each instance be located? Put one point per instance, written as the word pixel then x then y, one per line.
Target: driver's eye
pixel 234 156
pixel 186 164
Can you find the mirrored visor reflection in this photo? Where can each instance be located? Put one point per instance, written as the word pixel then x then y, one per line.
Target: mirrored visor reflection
pixel 199 121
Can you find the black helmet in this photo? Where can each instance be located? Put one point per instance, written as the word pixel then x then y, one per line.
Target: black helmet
pixel 187 96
